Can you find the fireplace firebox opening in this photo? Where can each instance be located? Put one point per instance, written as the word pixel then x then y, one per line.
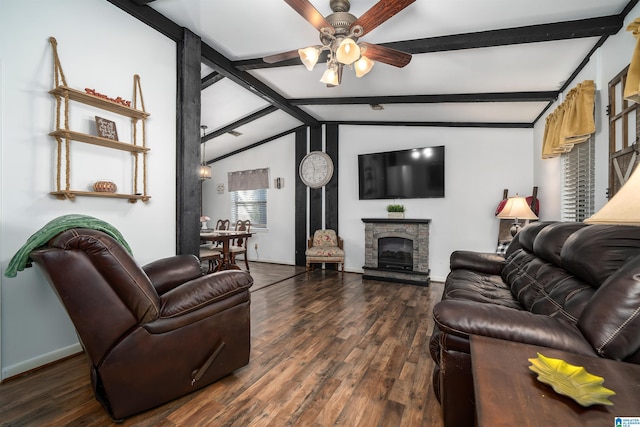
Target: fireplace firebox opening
pixel 395 253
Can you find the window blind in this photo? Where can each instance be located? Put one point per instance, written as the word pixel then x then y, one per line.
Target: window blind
pixel 251 205
pixel 578 182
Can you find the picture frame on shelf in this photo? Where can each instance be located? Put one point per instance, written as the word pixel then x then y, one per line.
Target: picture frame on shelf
pixel 106 129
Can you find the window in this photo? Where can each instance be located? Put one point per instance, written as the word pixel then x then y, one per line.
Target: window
pixel 251 205
pixel 578 183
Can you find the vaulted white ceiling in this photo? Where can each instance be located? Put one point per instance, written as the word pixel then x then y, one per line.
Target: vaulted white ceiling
pixel 440 85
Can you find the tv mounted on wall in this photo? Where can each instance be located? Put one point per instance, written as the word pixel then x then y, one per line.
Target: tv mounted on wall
pixel 406 174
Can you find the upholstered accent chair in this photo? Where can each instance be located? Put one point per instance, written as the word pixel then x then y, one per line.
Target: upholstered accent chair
pixel 153 333
pixel 325 246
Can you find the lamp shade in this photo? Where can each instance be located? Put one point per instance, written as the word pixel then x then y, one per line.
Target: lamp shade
pixel 363 66
pixel 330 77
pixel 204 172
pixel 309 56
pixel 624 206
pixel 517 208
pixel 348 52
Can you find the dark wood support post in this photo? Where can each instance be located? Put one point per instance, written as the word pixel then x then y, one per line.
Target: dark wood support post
pixel 188 188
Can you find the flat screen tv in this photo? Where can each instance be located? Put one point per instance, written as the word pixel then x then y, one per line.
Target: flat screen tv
pixel 406 174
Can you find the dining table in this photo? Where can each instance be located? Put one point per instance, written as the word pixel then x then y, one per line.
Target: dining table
pixel 225 237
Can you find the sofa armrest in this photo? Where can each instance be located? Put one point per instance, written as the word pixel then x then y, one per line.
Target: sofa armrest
pixel 167 273
pixel 481 262
pixel 464 318
pixel 203 291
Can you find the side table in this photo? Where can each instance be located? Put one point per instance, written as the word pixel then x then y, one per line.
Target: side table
pixel 507 393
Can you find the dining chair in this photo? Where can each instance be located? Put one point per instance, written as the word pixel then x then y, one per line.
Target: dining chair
pixel 212 256
pixel 239 245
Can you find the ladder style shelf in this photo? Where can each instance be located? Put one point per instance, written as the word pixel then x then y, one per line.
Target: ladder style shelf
pixel 63 135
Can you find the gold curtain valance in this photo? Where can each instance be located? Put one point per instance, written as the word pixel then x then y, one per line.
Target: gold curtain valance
pixel 572 122
pixel 632 85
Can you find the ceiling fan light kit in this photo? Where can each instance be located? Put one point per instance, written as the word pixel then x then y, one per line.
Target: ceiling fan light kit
pixel 339 34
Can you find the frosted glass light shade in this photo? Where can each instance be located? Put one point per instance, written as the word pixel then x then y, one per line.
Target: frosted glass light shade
pixel 348 52
pixel 330 77
pixel 517 208
pixel 624 206
pixel 309 56
pixel 363 66
pixel 204 172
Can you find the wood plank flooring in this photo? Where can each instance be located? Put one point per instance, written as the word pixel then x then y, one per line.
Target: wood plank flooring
pixel 327 349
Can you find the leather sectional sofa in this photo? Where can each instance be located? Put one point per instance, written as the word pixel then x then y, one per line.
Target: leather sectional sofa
pixel 569 286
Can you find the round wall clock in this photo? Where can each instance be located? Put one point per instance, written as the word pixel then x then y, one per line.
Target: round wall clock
pixel 316 169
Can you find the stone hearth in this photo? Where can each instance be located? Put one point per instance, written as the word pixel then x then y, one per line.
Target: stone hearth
pixel 416 230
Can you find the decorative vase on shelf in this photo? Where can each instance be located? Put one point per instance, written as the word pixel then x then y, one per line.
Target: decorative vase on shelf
pixel 204 225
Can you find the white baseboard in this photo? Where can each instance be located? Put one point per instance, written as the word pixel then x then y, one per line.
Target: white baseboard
pixel 41 360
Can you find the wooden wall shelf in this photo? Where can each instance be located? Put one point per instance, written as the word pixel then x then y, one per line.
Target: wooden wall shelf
pixel 96 140
pixel 63 135
pixel 71 195
pixel 94 101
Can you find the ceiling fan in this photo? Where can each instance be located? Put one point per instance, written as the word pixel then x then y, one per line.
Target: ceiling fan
pixel 339 34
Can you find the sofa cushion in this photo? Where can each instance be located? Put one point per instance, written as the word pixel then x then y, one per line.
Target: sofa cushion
pixel 469 285
pixel 596 252
pixel 538 281
pixel 611 320
pixel 550 240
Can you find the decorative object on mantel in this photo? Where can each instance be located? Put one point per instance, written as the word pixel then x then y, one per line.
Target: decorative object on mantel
pixel 395 211
pixel 106 129
pixel 632 85
pixel 572 122
pixel 64 135
pixel 105 186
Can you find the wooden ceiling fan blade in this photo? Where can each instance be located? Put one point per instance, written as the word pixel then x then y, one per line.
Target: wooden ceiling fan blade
pixel 379 13
pixel 386 55
pixel 310 13
pixel 283 56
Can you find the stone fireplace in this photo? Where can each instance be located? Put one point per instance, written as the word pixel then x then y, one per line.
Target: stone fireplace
pixel 397 250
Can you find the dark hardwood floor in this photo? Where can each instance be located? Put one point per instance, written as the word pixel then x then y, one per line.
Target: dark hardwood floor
pixel 327 349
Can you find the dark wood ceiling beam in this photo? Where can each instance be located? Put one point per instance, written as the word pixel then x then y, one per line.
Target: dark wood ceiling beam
pixel 498 125
pixel 150 17
pixel 214 59
pixel 256 144
pixel 430 99
pixel 224 66
pixel 243 121
pixel 210 79
pixel 592 27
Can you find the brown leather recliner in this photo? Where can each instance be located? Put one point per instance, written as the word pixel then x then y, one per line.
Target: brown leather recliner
pixel 151 333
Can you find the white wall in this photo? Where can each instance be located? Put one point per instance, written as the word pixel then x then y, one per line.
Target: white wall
pixel 277 243
pixel 100 47
pixel 479 164
pixel 605 64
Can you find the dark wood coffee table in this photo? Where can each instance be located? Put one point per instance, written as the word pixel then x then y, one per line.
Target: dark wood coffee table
pixel 507 393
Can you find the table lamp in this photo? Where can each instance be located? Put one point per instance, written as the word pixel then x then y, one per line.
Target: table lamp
pixel 516 208
pixel 624 206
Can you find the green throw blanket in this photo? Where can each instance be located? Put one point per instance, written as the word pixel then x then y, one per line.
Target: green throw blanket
pixel 21 259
